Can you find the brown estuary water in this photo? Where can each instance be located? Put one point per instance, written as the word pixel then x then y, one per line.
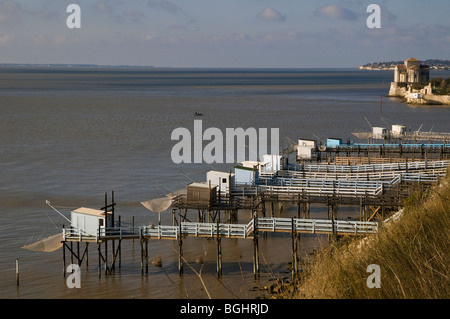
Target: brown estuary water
pixel 68 135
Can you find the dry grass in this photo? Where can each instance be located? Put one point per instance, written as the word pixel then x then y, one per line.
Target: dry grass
pixel 412 253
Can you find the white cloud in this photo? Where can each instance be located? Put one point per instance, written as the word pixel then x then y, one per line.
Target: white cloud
pixel 103 7
pixel 9 12
pixel 4 39
pixel 165 6
pixel 270 14
pixel 242 37
pixel 134 16
pixel 119 13
pixel 39 39
pixel 335 12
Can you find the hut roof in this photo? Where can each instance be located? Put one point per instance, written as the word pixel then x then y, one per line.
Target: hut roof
pixel 90 211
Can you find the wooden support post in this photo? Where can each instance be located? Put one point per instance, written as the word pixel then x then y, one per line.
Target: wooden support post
pixel 87 254
pixel 146 256
pixel 308 208
pixel 304 209
pixel 113 266
pixel 120 244
pixel 64 259
pixel 334 217
pixel 17 272
pixel 119 253
pixel 71 252
pixel 174 217
pixel 360 208
pixel 180 251
pixel 263 206
pixel 331 213
pixel 294 238
pixel 115 254
pixel 219 252
pixel 255 247
pixel 99 259
pixel 142 257
pixel 106 257
pixel 78 253
pixel 132 228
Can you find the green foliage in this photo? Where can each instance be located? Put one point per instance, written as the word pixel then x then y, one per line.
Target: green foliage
pixel 440 86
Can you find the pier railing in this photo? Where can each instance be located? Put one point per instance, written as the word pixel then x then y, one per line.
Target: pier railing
pixel 351 183
pixel 378 175
pixel 123 232
pixel 316 226
pixel 211 230
pixel 405 147
pixel 336 187
pixel 401 166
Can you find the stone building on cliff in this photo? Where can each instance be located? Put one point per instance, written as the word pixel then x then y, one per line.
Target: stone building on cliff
pixel 411 72
pixel 412 82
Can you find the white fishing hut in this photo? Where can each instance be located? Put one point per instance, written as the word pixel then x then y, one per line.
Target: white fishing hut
pixel 87 221
pixel 305 149
pixel 245 175
pixel 272 163
pixel 378 132
pixel 222 180
pixel 398 130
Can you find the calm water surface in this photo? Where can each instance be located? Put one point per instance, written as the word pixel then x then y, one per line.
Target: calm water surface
pixel 69 135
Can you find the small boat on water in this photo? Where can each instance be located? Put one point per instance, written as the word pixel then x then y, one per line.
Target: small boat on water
pixel 198 114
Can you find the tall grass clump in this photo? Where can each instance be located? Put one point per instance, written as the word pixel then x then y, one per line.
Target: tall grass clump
pixel 412 253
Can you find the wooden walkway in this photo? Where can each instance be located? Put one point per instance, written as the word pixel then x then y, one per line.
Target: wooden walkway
pixel 369 168
pixel 331 187
pixel 214 230
pixel 427 136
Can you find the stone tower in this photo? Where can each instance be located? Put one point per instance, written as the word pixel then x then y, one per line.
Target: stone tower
pixel 411 72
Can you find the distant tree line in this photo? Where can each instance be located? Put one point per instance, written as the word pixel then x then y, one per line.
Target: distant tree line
pixel 443 64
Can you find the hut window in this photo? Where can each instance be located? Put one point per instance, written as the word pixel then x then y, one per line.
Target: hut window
pixel 224 180
pixel 100 221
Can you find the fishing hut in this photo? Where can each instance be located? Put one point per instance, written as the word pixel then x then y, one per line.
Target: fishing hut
pixel 89 225
pixel 89 221
pixel 222 180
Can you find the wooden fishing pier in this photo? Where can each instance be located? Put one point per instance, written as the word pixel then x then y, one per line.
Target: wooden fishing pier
pixel 376 177
pixel 375 188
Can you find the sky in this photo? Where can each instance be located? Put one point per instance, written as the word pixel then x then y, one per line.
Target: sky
pixel 223 33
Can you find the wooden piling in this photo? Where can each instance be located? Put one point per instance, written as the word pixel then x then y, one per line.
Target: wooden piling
pixel 142 257
pixel 17 273
pixel 219 252
pixel 99 260
pixel 295 244
pixel 105 258
pixel 71 255
pixel 180 251
pixel 255 247
pixel 87 254
pixel 64 259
